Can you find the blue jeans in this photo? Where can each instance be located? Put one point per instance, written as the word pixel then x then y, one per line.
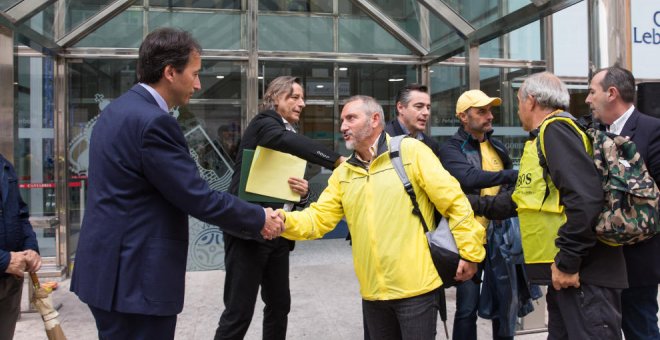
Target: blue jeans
pixel 465 318
pixel 639 311
pixel 409 318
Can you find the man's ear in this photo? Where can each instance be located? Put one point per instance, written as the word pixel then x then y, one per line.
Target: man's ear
pixel 612 93
pixel 533 101
pixel 399 108
pixel 168 73
pixel 375 119
pixel 462 116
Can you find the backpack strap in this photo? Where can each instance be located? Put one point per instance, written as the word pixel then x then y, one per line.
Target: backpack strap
pixel 395 157
pixel 540 147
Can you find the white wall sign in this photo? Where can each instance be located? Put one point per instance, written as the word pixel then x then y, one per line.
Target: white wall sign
pixel 645 38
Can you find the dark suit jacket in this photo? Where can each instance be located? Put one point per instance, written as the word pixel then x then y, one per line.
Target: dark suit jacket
pixel 267 130
pixel 143 184
pixel 643 259
pixel 16 232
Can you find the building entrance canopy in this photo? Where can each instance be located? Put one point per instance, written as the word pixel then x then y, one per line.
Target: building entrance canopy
pixel 418 31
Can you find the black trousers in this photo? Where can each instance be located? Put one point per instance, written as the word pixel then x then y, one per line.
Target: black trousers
pixel 250 264
pixel 11 288
pixel 124 326
pixel 588 312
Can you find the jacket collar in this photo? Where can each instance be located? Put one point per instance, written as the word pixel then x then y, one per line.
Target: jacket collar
pixel 382 148
pixel 272 114
pixel 463 135
pixel 144 93
pixel 398 130
pixel 631 124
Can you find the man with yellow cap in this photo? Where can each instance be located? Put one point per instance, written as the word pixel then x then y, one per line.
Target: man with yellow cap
pixel 482 165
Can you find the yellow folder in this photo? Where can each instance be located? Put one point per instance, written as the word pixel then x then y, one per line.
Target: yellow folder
pixel 270 172
pixel 248 155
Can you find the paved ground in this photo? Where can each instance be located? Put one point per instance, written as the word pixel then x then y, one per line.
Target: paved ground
pixel 325 302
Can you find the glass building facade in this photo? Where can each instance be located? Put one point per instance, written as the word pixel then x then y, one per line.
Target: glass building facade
pixel 63 61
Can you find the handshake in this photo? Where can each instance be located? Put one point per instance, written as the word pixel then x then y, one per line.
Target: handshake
pixel 274 225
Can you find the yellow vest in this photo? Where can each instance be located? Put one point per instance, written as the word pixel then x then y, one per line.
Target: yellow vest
pixel 539 209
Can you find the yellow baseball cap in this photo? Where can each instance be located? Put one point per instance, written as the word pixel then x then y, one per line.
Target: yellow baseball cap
pixel 475 98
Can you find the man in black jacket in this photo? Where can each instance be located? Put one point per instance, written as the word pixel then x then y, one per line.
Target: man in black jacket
pixel 558 208
pixel 611 96
pixel 250 264
pixel 413 107
pixel 481 164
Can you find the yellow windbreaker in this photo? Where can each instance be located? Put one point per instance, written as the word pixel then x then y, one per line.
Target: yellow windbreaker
pixel 390 251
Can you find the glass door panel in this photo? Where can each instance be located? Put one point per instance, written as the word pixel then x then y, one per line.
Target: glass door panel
pixel 35 147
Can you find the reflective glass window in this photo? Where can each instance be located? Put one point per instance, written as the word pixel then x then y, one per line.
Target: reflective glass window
pixel 447 83
pixel 570 44
pixel 381 81
pixel 295 33
pixel 442 34
pixel 482 12
pixel 523 43
pixel 213 30
pixel 405 13
pixel 79 11
pixel 43 21
pixel 220 4
pixel 317 6
pixel 34 151
pixel 124 30
pixel 363 35
pixel 5 5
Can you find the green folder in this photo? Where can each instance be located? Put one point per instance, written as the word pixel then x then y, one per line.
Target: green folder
pixel 248 155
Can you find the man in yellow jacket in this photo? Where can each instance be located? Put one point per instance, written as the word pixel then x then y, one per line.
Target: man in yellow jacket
pixel 398 280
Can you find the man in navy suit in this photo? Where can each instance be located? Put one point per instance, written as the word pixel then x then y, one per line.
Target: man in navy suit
pixel 131 259
pixel 611 96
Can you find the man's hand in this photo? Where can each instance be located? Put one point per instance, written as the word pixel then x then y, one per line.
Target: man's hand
pixel 299 186
pixel 340 160
pixel 33 261
pixel 281 214
pixel 562 280
pixel 17 263
pixel 465 270
pixel 273 226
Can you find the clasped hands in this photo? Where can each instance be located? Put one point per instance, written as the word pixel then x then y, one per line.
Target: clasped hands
pixel 23 261
pixel 274 225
